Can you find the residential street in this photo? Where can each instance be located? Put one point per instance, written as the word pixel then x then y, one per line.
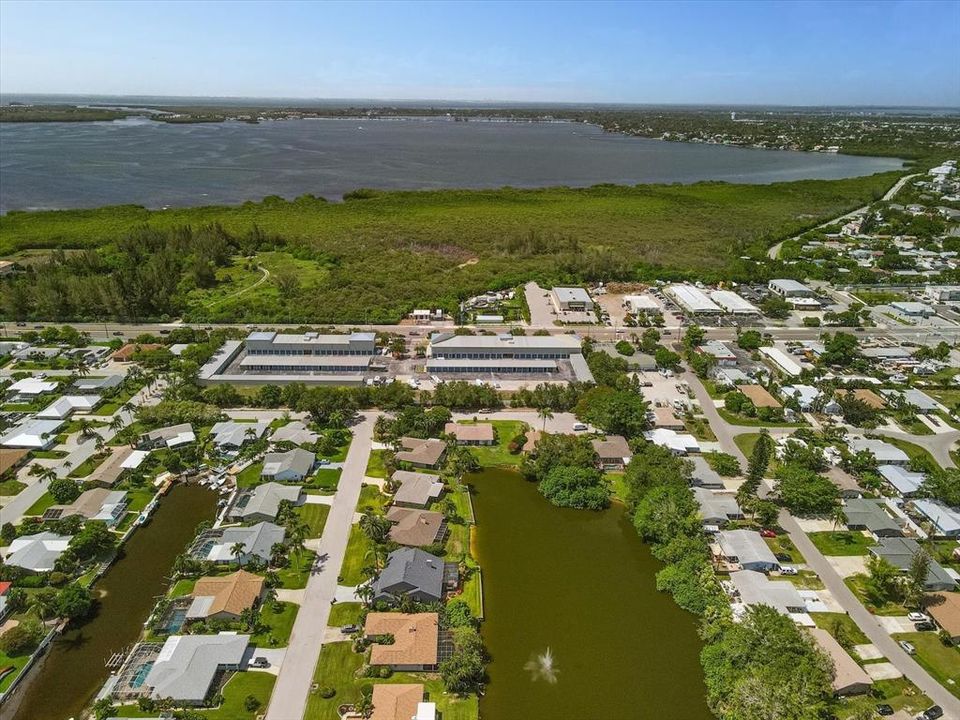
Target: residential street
pixel 289 699
pixel 831 579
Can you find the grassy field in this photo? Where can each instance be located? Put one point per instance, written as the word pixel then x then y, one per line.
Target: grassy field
pixel 498 454
pixel 356 557
pixel 375 468
pixel 41 505
pixel 250 475
pixel 941 661
pixel 11 487
pixel 295 576
pixel 315 516
pixel 371 499
pixel 344 614
pixel 858 585
pixel 279 625
pixel 828 621
pixel 841 543
pixel 357 260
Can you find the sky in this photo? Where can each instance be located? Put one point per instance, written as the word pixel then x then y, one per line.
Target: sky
pixel 768 53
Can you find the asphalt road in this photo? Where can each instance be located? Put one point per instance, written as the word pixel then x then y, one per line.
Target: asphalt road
pixel 289 699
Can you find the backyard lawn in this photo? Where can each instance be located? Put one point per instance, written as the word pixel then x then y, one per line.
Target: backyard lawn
pixel 88 466
pixel 941 661
pixel 139 498
pixel 17 662
pixel 356 557
pixel 183 587
pixel 279 624
pixel 315 516
pixel 841 543
pixel 498 454
pixel 323 479
pixel 249 476
pixel 235 692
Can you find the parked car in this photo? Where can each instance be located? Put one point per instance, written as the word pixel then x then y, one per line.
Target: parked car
pixel 907 646
pixel 932 713
pixel 787 570
pixel 118 333
pixel 323 461
pixel 783 557
pixel 260 662
pixel 349 629
pixel 924 626
pixel 485 411
pixel 767 533
pixel 579 427
pixel 21 324
pixel 884 709
pixel 917 617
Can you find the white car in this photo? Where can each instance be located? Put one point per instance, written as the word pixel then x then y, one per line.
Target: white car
pixel 579 427
pixel 917 617
pixel 787 570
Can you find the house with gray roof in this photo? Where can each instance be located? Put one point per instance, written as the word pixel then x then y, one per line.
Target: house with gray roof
pixel 703 475
pixel 747 549
pixel 416 489
pixel 945 520
pixel 96 384
pixel 217 545
pixel 187 665
pixel 716 509
pixel 755 588
pixel 924 404
pixel 416 574
pixel 170 436
pixel 37 553
pixel 905 482
pixel 262 503
pixel 294 432
pixel 230 434
pixel 290 466
pixel 868 514
pixel 900 552
pixel 884 452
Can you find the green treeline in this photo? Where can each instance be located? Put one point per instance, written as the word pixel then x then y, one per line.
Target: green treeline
pixel 384 253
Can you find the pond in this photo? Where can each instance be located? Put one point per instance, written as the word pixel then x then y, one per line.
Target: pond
pixel 74 668
pixel 574 623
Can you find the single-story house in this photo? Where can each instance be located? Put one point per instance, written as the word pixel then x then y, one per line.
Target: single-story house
pixel 705 476
pixel 12 459
pixel 613 451
pixel 294 432
pixel 759 396
pixel 126 353
pixel 723 355
pixel 96 384
pixel 677 443
pixel 747 549
pixel 944 608
pixel 476 434
pixel 412 573
pixel 291 466
pixel 945 520
pixel 170 436
pixel 262 502
pixel 188 664
pixel 726 376
pixel 868 514
pixel 416 639
pixel 108 506
pixel 67 405
pixel 421 452
pixel 900 552
pixel 845 483
pixel 396 701
pixel 37 553
pixel 866 396
pixel 416 489
pixel 755 588
pixel 664 417
pixel 29 388
pixel 32 434
pixel 225 597
pixel 883 452
pixel 716 509
pixel 905 482
pixel 232 434
pixel 109 471
pixel 257 541
pixel 805 395
pixel 924 404
pixel 848 677
pixel 415 527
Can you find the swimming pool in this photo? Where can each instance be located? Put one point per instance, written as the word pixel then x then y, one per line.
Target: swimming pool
pixel 141 674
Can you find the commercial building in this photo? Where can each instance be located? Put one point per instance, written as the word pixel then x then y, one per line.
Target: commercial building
pixel 449 353
pixel 723 355
pixel 693 300
pixel 913 309
pixel 942 293
pixel 567 299
pixel 186 667
pixel 787 288
pixel 274 352
pixel 783 362
pixel 733 303
pixel 641 304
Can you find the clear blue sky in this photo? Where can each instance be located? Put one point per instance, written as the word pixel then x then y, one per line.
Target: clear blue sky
pixel 809 53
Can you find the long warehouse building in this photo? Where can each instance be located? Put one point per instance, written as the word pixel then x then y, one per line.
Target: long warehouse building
pixel 693 300
pixel 310 352
pixel 733 303
pixel 449 353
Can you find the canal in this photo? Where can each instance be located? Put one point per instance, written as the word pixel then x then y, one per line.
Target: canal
pixel 574 623
pixel 73 669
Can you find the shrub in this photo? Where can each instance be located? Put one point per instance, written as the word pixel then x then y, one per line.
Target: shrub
pixel 327 692
pixel 22 639
pixel 251 703
pixel 625 348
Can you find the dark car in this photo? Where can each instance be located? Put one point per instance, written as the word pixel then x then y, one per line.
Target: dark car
pixel 783 557
pixel 884 709
pixel 932 713
pixel 924 625
pixel 349 629
pixel 21 324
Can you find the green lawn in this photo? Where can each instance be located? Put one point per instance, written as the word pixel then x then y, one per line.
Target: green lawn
pixel 293 578
pixel 941 661
pixel 356 557
pixel 41 505
pixel 11 487
pixel 315 516
pixel 250 475
pixel 139 498
pixel 498 454
pixel 235 692
pixel 344 614
pixel 841 543
pixel 17 661
pixel 900 694
pixel 735 419
pixel 858 585
pixel 324 479
pixel 280 625
pixel 48 454
pixel 473 592
pixel 828 621
pixel 183 587
pixel 618 486
pixel 371 499
pixel 915 452
pixel 458 541
pixel 88 466
pixel 783 544
pixel 375 468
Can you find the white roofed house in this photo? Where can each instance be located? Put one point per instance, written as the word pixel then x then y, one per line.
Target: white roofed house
pixel 170 436
pixel 722 354
pixel 187 666
pixel 883 452
pixel 33 434
pixel 294 432
pixel 755 588
pixel 37 553
pixel 257 541
pixel 65 406
pixel 677 443
pixel 30 388
pixel 944 521
pixel 291 466
pixel 924 404
pixel 229 434
pixel 805 395
pixel 262 502
pixel 747 549
pixel 905 482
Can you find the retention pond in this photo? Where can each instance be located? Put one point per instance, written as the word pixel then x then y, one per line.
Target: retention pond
pixel 73 669
pixel 574 623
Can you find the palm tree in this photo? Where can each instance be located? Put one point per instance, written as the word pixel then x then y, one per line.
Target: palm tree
pixel 42 603
pixel 99 443
pixel 278 551
pixel 365 593
pixel 237 550
pixel 838 516
pixel 116 425
pixel 86 429
pixel 81 368
pixel 545 413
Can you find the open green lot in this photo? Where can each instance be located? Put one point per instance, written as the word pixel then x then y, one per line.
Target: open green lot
pixel 11 487
pixel 356 557
pixel 858 584
pixel 941 661
pixel 379 254
pixel 279 625
pixel 375 467
pixel 371 499
pixel 295 576
pixel 315 516
pixel 841 542
pixel 344 614
pixel 840 623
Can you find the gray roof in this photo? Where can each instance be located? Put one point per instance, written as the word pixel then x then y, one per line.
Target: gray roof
pixel 93 384
pixel 265 499
pixel 234 434
pixel 917 398
pixel 257 540
pixel 755 588
pixel 172 434
pixel 868 513
pixel 899 552
pixel 416 488
pixel 945 519
pixel 884 452
pixel 905 481
pixel 409 570
pixel 37 552
pixel 747 546
pixel 297 461
pixel 716 506
pixel 572 294
pixel 295 432
pixel 187 664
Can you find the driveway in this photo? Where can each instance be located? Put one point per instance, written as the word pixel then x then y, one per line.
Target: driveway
pixel 541 309
pixel 289 699
pixel 559 423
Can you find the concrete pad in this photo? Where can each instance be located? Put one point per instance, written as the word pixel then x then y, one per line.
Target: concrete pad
pixel 868 651
pixel 273 655
pixel 294 596
pixel 809 525
pixel 710 446
pixel 827 598
pixel 333 634
pixel 377 482
pixel 896 624
pixel 847 565
pixel 8 625
pixel 882 671
pixel 346 594
pixel 312 544
pixel 318 500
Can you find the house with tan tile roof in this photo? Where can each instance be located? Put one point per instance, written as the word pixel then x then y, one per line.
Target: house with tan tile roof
pixel 421 452
pixel 848 678
pixel 225 597
pixel 416 639
pixel 476 434
pixel 396 702
pixel 414 527
pixel 944 608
